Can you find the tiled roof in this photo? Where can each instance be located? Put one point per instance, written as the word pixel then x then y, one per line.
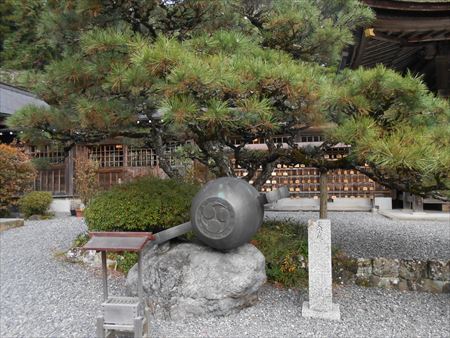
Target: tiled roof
pixel 12 99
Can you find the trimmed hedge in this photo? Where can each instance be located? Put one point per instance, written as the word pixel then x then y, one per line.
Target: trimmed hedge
pixel 35 203
pixel 146 204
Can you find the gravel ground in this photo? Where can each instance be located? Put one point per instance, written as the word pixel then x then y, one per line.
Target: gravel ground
pixel 365 312
pixel 368 235
pixel 43 296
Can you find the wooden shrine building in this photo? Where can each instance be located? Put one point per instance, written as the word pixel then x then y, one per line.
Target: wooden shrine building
pixel 406 36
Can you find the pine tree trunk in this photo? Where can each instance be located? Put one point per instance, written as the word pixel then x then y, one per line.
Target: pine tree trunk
pixel 263 176
pixel 163 160
pixel 323 194
pixel 222 164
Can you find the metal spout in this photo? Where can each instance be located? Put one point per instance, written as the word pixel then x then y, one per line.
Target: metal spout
pixel 277 194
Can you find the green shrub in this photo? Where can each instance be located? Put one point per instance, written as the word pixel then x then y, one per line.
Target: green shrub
pixel 16 176
pixel 126 261
pixel 86 179
pixel 35 203
pixel 147 204
pixel 80 240
pixel 285 247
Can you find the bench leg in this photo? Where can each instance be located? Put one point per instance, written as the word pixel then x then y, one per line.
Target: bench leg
pixel 100 330
pixel 146 322
pixel 138 327
pixel 145 328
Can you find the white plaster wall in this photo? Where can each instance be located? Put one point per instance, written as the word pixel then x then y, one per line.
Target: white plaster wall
pixel 60 205
pixel 383 203
pixel 351 204
pixel 338 204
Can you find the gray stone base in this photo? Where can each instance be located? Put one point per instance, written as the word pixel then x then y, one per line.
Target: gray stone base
pixel 187 280
pixel 334 314
pixel 408 214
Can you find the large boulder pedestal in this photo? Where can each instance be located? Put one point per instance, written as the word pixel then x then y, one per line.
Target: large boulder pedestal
pixel 185 280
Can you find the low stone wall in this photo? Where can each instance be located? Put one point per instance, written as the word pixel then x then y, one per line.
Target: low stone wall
pixel 401 274
pixel 9 223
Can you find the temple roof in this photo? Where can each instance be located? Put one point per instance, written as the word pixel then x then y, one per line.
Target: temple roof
pixel 406 35
pixel 13 98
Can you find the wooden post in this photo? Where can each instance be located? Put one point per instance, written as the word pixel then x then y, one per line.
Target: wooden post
pixel 406 200
pixel 140 288
pixel 105 276
pixel 323 194
pixel 71 171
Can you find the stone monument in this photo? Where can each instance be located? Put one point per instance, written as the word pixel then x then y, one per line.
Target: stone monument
pixel 187 280
pixel 320 303
pixel 223 273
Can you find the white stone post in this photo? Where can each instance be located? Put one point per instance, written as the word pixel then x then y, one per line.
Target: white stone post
pixel 320 303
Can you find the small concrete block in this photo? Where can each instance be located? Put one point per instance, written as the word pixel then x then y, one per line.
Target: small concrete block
pixel 403 285
pixel 374 280
pixel 364 268
pixel 433 286
pixel 333 314
pixel 439 270
pixel 385 267
pixel 412 269
pixel 446 288
pixel 388 282
pixel 363 281
pixel 417 285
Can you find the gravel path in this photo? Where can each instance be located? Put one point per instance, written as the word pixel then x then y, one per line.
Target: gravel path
pixel 366 235
pixel 366 312
pixel 42 296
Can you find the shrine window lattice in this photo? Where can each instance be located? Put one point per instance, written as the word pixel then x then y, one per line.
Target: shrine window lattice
pixel 282 139
pixel 52 154
pixel 141 157
pixel 107 156
pixel 114 156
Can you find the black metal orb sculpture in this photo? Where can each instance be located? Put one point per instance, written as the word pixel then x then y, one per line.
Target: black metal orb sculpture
pixel 226 213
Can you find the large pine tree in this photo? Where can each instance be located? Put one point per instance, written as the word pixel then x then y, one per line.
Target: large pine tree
pixel 223 73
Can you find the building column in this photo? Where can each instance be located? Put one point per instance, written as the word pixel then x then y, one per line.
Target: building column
pixel 442 63
pixel 417 203
pixel 69 172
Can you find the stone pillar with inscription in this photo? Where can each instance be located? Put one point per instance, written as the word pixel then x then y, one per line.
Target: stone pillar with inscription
pixel 320 303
